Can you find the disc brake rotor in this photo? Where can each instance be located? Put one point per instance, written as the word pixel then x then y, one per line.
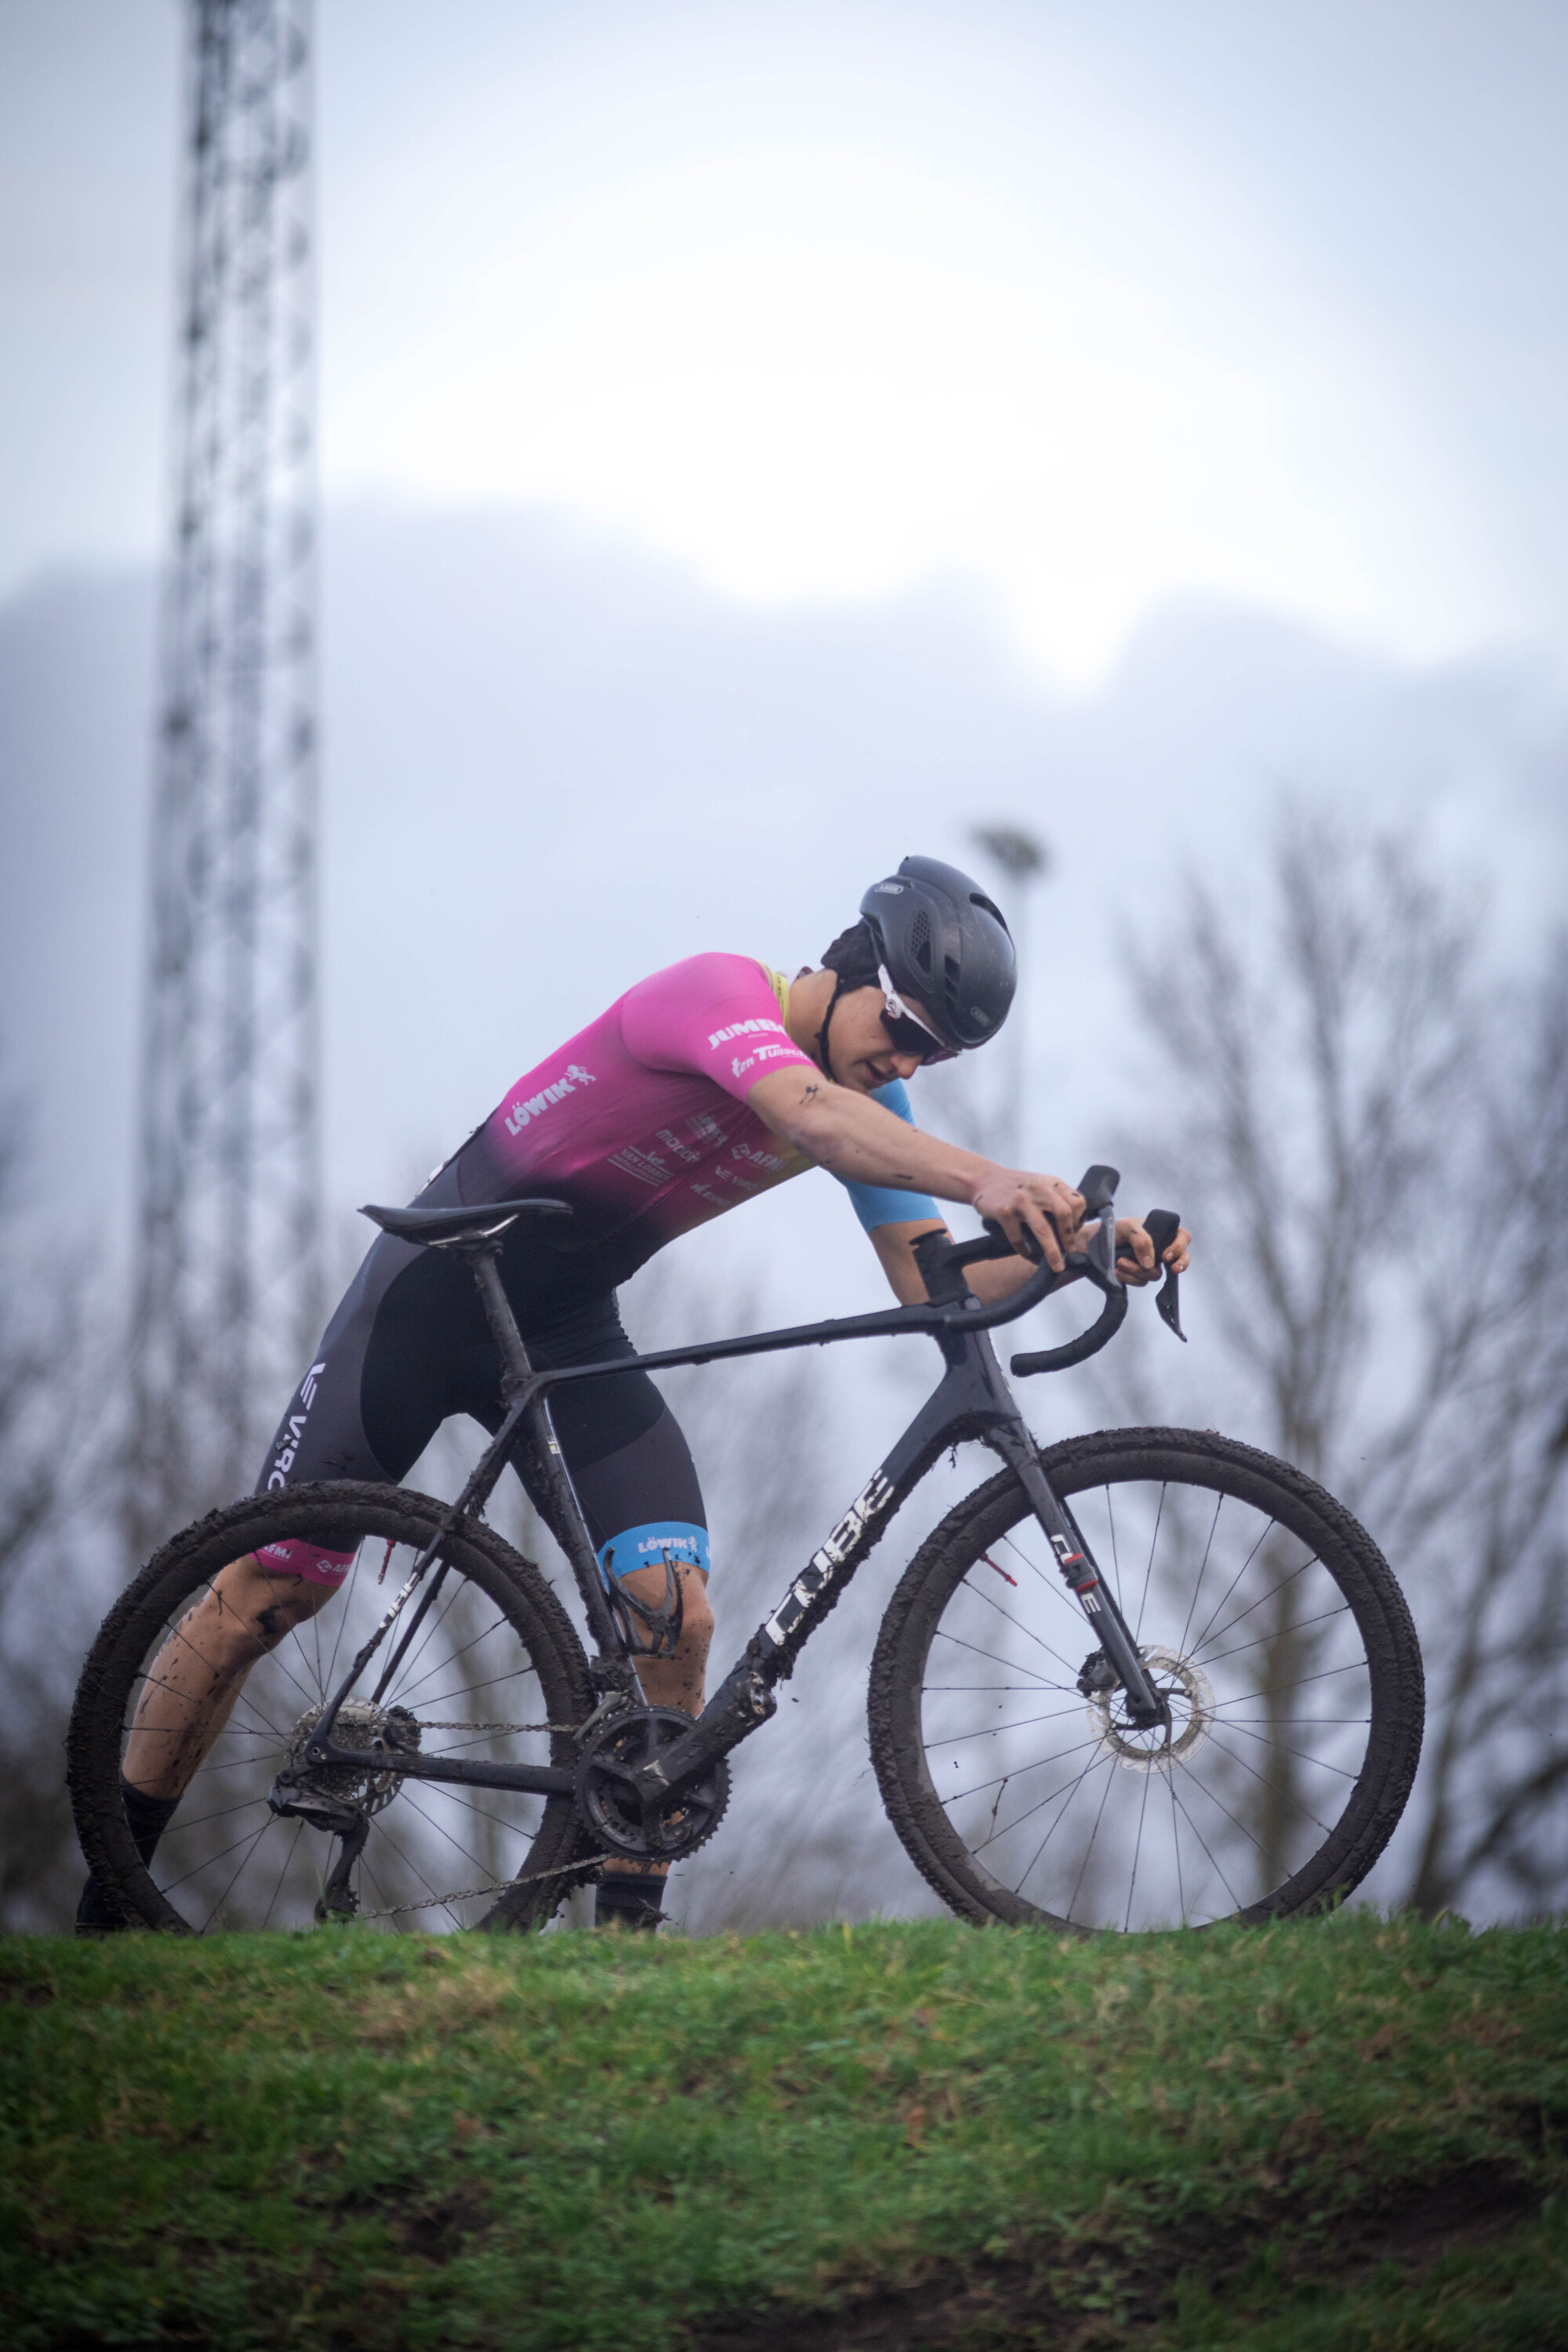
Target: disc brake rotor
pixel 1189 1700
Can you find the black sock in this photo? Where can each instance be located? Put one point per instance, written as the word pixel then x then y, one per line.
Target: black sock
pixel 627 1902
pixel 147 1818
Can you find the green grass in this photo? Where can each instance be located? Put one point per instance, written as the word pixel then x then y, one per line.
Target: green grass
pixel 1347 2134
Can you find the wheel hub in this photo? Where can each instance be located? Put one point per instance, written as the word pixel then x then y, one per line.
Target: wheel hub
pixel 1189 1713
pixel 608 1800
pixel 386 1730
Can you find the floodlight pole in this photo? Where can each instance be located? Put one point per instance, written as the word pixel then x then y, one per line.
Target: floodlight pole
pixel 1024 860
pixel 229 1289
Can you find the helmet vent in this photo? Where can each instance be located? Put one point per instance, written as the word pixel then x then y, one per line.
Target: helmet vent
pixel 919 939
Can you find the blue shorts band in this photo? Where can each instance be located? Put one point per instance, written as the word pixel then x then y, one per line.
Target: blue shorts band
pixel 647 1546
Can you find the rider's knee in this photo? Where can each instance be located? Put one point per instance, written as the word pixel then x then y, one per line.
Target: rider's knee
pixel 696 1609
pixel 257 1608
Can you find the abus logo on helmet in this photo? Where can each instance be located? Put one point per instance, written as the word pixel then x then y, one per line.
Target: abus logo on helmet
pixel 520 1114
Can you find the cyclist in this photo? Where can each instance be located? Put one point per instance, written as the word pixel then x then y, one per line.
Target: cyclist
pixel 708 1083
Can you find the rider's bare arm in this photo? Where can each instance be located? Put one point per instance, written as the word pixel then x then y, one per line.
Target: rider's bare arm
pixel 856 1138
pixel 996 1279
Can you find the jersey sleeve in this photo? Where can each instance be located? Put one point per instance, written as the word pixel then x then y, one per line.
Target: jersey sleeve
pixel 882 1205
pixel 714 1015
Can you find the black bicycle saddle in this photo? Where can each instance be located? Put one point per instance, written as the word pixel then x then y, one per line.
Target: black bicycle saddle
pixel 483 1221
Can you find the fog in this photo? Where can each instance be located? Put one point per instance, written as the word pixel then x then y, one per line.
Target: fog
pixel 554 762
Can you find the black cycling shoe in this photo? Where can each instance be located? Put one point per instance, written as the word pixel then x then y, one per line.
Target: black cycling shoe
pixel 623 1901
pixel 148 1817
pixel 95 1915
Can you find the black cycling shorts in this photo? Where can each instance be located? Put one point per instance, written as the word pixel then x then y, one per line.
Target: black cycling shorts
pixel 409 1346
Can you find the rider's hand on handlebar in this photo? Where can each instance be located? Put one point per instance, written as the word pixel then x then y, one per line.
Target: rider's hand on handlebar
pixel 1135 1254
pixel 1042 1205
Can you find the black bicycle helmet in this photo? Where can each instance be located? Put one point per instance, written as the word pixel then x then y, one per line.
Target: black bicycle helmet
pixel 946 943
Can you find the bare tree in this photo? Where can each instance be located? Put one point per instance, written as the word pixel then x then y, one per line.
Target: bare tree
pixel 1368 1135
pixel 52 1413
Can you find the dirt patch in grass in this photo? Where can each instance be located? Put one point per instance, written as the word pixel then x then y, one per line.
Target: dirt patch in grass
pixel 1095 2292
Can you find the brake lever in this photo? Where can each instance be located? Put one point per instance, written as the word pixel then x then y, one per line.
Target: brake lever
pixel 1098 1184
pixel 1163 1225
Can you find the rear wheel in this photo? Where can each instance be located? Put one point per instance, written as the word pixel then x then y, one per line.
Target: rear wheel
pixel 494 1673
pixel 1271 1624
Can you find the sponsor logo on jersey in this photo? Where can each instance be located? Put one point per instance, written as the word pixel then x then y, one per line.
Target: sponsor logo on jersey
pixel 522 1111
pixel 747 1029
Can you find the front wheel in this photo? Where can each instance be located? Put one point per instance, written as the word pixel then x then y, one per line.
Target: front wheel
pixel 1270 1623
pixel 483 1665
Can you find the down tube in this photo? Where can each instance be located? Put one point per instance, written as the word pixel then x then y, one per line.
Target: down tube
pixel 969 1401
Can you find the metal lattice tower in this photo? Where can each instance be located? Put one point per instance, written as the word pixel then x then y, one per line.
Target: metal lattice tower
pixel 228 1291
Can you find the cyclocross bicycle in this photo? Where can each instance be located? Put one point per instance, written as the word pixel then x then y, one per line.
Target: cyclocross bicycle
pixel 1144 1678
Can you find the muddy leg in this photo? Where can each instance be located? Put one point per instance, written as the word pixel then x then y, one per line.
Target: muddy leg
pixel 200 1672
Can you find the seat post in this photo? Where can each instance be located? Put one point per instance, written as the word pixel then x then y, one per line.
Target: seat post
pixel 515 1367
pixel 568 1525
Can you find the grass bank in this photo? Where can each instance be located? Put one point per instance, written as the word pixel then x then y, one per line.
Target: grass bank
pixel 1349 2134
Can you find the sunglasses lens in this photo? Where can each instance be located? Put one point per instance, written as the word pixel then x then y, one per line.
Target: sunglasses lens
pixel 909 1037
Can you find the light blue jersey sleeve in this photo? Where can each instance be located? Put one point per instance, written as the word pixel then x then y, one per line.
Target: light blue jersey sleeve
pixel 881 1204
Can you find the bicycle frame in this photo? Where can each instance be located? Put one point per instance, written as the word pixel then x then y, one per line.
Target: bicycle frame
pixel 971 1402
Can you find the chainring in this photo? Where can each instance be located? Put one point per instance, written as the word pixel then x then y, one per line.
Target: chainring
pixel 609 1805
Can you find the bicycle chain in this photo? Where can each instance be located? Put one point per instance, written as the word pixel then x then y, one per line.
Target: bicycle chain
pixel 472 1893
pixel 431 1723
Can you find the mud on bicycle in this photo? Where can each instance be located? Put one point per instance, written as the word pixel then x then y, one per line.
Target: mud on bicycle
pixel 1138 1679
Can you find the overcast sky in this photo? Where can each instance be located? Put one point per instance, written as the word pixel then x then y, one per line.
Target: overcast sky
pixel 760 437
pixel 1094 303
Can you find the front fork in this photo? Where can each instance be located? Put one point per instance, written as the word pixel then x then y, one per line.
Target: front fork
pixel 1144 1707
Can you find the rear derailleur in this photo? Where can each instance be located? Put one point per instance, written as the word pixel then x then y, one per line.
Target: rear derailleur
pixel 340 1799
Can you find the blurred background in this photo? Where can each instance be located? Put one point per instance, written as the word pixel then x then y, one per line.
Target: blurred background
pixel 756 441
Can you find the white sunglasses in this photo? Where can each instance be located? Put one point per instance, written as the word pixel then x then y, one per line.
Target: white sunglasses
pixel 907 1032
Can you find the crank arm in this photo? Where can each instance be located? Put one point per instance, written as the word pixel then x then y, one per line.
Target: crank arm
pixel 741 1702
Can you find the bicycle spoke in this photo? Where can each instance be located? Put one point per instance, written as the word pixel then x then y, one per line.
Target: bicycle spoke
pixel 1083 1865
pixel 1264 1639
pixel 1272 1593
pixel 994 1731
pixel 1278 1746
pixel 282 1874
pixel 1136 1850
pixel 1019 1627
pixel 1236 1903
pixel 1148 1567
pixel 942 1634
pixel 238 1866
pixel 1234 1581
pixel 961 1796
pixel 1203 1572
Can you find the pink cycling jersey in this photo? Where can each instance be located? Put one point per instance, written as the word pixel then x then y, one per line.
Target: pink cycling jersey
pixel 641 1123
pixel 641 1120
